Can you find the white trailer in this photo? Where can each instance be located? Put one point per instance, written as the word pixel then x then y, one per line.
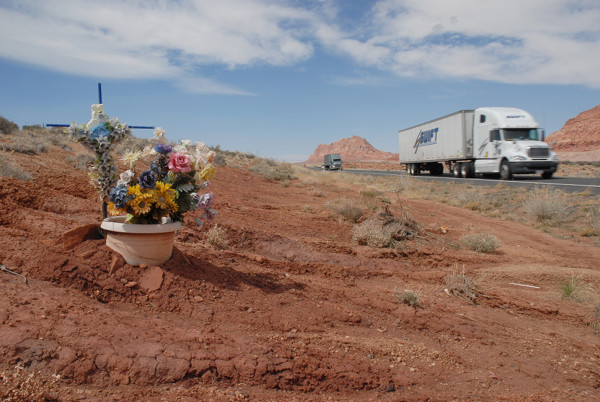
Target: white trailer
pixel 493 140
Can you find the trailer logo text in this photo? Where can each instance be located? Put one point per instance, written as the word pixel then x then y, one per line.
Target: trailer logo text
pixel 427 137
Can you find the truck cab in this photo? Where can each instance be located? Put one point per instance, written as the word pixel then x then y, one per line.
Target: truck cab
pixel 332 162
pixel 508 141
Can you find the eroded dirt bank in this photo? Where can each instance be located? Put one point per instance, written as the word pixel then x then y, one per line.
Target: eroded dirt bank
pixel 292 309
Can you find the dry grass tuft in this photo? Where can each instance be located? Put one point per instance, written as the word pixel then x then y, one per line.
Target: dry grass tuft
pixel 574 288
pixel 548 206
pixel 481 242
pixel 273 170
pixel 408 297
pixel 461 285
pixel 346 208
pixel 7 169
pixel 385 230
pixel 216 237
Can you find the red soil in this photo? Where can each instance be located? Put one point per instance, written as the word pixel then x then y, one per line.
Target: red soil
pixel 293 309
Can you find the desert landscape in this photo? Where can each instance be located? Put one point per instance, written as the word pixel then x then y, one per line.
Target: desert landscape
pixel 289 294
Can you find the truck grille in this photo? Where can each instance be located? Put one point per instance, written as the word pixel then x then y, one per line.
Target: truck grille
pixel 538 152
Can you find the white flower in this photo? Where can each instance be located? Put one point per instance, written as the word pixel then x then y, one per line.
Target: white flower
pixel 126 177
pixel 147 151
pixel 131 157
pixel 180 149
pixel 159 132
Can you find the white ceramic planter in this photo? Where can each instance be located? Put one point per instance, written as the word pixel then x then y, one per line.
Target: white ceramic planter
pixel 140 244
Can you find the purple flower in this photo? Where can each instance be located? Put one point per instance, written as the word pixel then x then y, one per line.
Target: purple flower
pixel 118 195
pixel 204 201
pixel 162 148
pixel 147 179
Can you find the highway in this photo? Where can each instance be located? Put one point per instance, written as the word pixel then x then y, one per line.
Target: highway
pixel 567 184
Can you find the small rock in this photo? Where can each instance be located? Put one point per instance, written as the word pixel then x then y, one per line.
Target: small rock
pixel 259 259
pixel 143 266
pixel 198 299
pixel 117 262
pixel 124 281
pixel 152 279
pixel 76 236
pixel 371 356
pixel 130 284
pixel 390 388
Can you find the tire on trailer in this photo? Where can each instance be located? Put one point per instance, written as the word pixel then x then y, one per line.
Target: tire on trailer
pixel 456 171
pixel 505 173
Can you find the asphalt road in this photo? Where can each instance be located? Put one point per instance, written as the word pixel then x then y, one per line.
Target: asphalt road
pixel 567 184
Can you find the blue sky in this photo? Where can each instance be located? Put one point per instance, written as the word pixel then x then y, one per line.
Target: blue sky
pixel 278 78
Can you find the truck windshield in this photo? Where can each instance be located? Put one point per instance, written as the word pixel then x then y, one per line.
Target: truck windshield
pixel 520 134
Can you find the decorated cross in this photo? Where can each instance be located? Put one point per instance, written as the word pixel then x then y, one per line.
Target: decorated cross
pixel 99 102
pixel 100 135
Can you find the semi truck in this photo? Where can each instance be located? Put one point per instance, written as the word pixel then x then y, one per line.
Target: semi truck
pixel 491 140
pixel 332 162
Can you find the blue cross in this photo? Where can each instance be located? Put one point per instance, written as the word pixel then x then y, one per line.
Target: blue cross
pixel 100 102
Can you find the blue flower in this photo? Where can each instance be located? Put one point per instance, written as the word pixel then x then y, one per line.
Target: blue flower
pixel 147 179
pixel 118 195
pixel 162 148
pixel 100 131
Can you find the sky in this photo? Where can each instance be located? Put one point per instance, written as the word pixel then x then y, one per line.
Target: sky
pixel 278 78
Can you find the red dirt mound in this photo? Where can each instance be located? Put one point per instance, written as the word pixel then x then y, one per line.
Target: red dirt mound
pixel 579 134
pixel 354 149
pixel 293 309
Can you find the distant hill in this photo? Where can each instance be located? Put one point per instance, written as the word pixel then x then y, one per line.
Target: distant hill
pixel 354 149
pixel 579 134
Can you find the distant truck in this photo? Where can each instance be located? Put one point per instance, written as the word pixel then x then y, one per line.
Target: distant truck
pixel 332 162
pixel 492 140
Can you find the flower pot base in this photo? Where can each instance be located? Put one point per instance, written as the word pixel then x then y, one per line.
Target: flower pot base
pixel 140 244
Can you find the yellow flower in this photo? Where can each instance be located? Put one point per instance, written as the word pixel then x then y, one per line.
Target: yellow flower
pixel 113 210
pixel 164 196
pixel 208 173
pixel 142 203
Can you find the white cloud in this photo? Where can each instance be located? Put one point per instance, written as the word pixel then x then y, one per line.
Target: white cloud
pixel 153 39
pixel 511 41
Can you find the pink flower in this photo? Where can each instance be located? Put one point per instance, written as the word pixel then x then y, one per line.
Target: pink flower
pixel 179 163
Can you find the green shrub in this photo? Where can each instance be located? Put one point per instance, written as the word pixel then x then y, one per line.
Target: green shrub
pixel 573 288
pixel 8 127
pixel 24 145
pixel 481 242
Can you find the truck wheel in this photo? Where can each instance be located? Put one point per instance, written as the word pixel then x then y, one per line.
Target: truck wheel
pixel 505 173
pixel 466 170
pixel 457 169
pixel 547 175
pixel 409 169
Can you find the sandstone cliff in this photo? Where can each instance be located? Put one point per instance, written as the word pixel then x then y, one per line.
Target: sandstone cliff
pixel 354 149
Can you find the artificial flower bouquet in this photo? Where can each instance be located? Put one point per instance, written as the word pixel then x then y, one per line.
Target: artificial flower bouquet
pixel 169 188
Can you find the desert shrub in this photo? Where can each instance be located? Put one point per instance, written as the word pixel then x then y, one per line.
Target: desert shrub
pixel 81 161
pixel 473 199
pixel 574 288
pixel 216 237
pixel 7 169
pixel 7 126
pixel 592 223
pixel 24 145
pixel 547 206
pixel 408 297
pixel 315 192
pixel 273 170
pixel 346 208
pixel 385 230
pixel 462 285
pixel 481 242
pixel 307 208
